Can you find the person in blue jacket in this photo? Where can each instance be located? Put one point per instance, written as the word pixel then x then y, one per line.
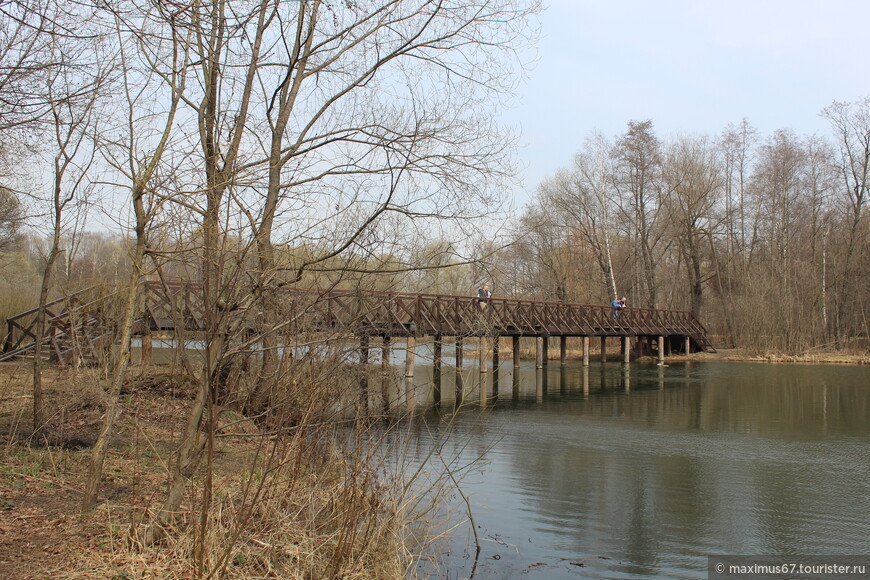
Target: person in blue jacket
pixel 617 306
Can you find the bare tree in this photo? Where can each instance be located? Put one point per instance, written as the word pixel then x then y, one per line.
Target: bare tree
pixel 138 158
pixel 851 125
pixel 638 179
pixel 691 173
pixel 587 198
pixel 737 143
pixel 73 99
pixel 11 217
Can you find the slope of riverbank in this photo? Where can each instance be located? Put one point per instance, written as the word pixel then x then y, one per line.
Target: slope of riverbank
pixel 295 504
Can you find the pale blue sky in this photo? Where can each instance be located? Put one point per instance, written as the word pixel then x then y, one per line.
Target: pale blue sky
pixel 691 66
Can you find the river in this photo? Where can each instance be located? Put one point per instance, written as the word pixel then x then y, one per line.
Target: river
pixel 642 471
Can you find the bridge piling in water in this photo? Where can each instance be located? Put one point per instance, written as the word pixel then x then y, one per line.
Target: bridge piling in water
pixel 385 374
pixel 363 375
pixel 410 356
pixel 495 362
pixel 585 351
pixel 482 348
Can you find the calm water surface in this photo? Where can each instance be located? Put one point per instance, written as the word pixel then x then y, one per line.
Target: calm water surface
pixel 643 471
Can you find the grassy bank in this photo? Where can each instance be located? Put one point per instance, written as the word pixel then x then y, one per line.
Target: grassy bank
pixel 308 502
pixel 857 354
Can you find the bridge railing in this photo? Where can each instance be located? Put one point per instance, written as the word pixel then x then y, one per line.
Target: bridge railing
pixel 375 312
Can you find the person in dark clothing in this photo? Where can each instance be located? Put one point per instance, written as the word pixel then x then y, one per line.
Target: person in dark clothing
pixel 483 296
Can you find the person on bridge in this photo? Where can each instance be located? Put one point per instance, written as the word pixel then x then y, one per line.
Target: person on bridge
pixel 483 296
pixel 617 305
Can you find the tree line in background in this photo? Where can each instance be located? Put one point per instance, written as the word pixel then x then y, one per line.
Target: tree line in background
pixel 764 238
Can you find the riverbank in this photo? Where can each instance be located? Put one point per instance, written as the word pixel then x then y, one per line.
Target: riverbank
pixel 850 357
pixel 308 503
pixel 738 355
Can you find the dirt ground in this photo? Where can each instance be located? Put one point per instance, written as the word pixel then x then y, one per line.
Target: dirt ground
pixel 42 531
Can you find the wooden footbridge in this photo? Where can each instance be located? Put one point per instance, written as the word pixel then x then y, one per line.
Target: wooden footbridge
pixel 78 327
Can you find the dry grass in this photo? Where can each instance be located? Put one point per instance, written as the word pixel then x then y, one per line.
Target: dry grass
pixel 820 357
pixel 306 503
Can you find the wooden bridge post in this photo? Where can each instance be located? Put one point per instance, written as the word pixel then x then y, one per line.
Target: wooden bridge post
pixel 539 352
pixel 661 348
pixel 436 368
pixel 482 348
pixel 436 353
pixel 363 378
pixel 626 378
pixel 563 349
pixel 385 373
pixel 603 349
pixel 688 346
pixel 458 360
pixel 626 349
pixel 483 373
pixel 586 380
pixel 495 363
pixel 545 352
pixel 585 351
pixel 411 355
pixel 146 358
pixel 457 352
pixel 516 348
pixel 410 398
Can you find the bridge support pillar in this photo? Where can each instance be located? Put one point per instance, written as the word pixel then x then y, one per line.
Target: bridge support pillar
pixel 411 356
pixel 363 378
pixel 516 348
pixel 661 349
pixel 545 352
pixel 495 360
pixel 457 355
pixel 458 359
pixel 385 374
pixel 586 381
pixel 410 396
pixel 563 349
pixel 603 349
pixel 688 346
pixel 539 352
pixel 482 348
pixel 585 351
pixel 626 349
pixel 436 368
pixel 146 359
